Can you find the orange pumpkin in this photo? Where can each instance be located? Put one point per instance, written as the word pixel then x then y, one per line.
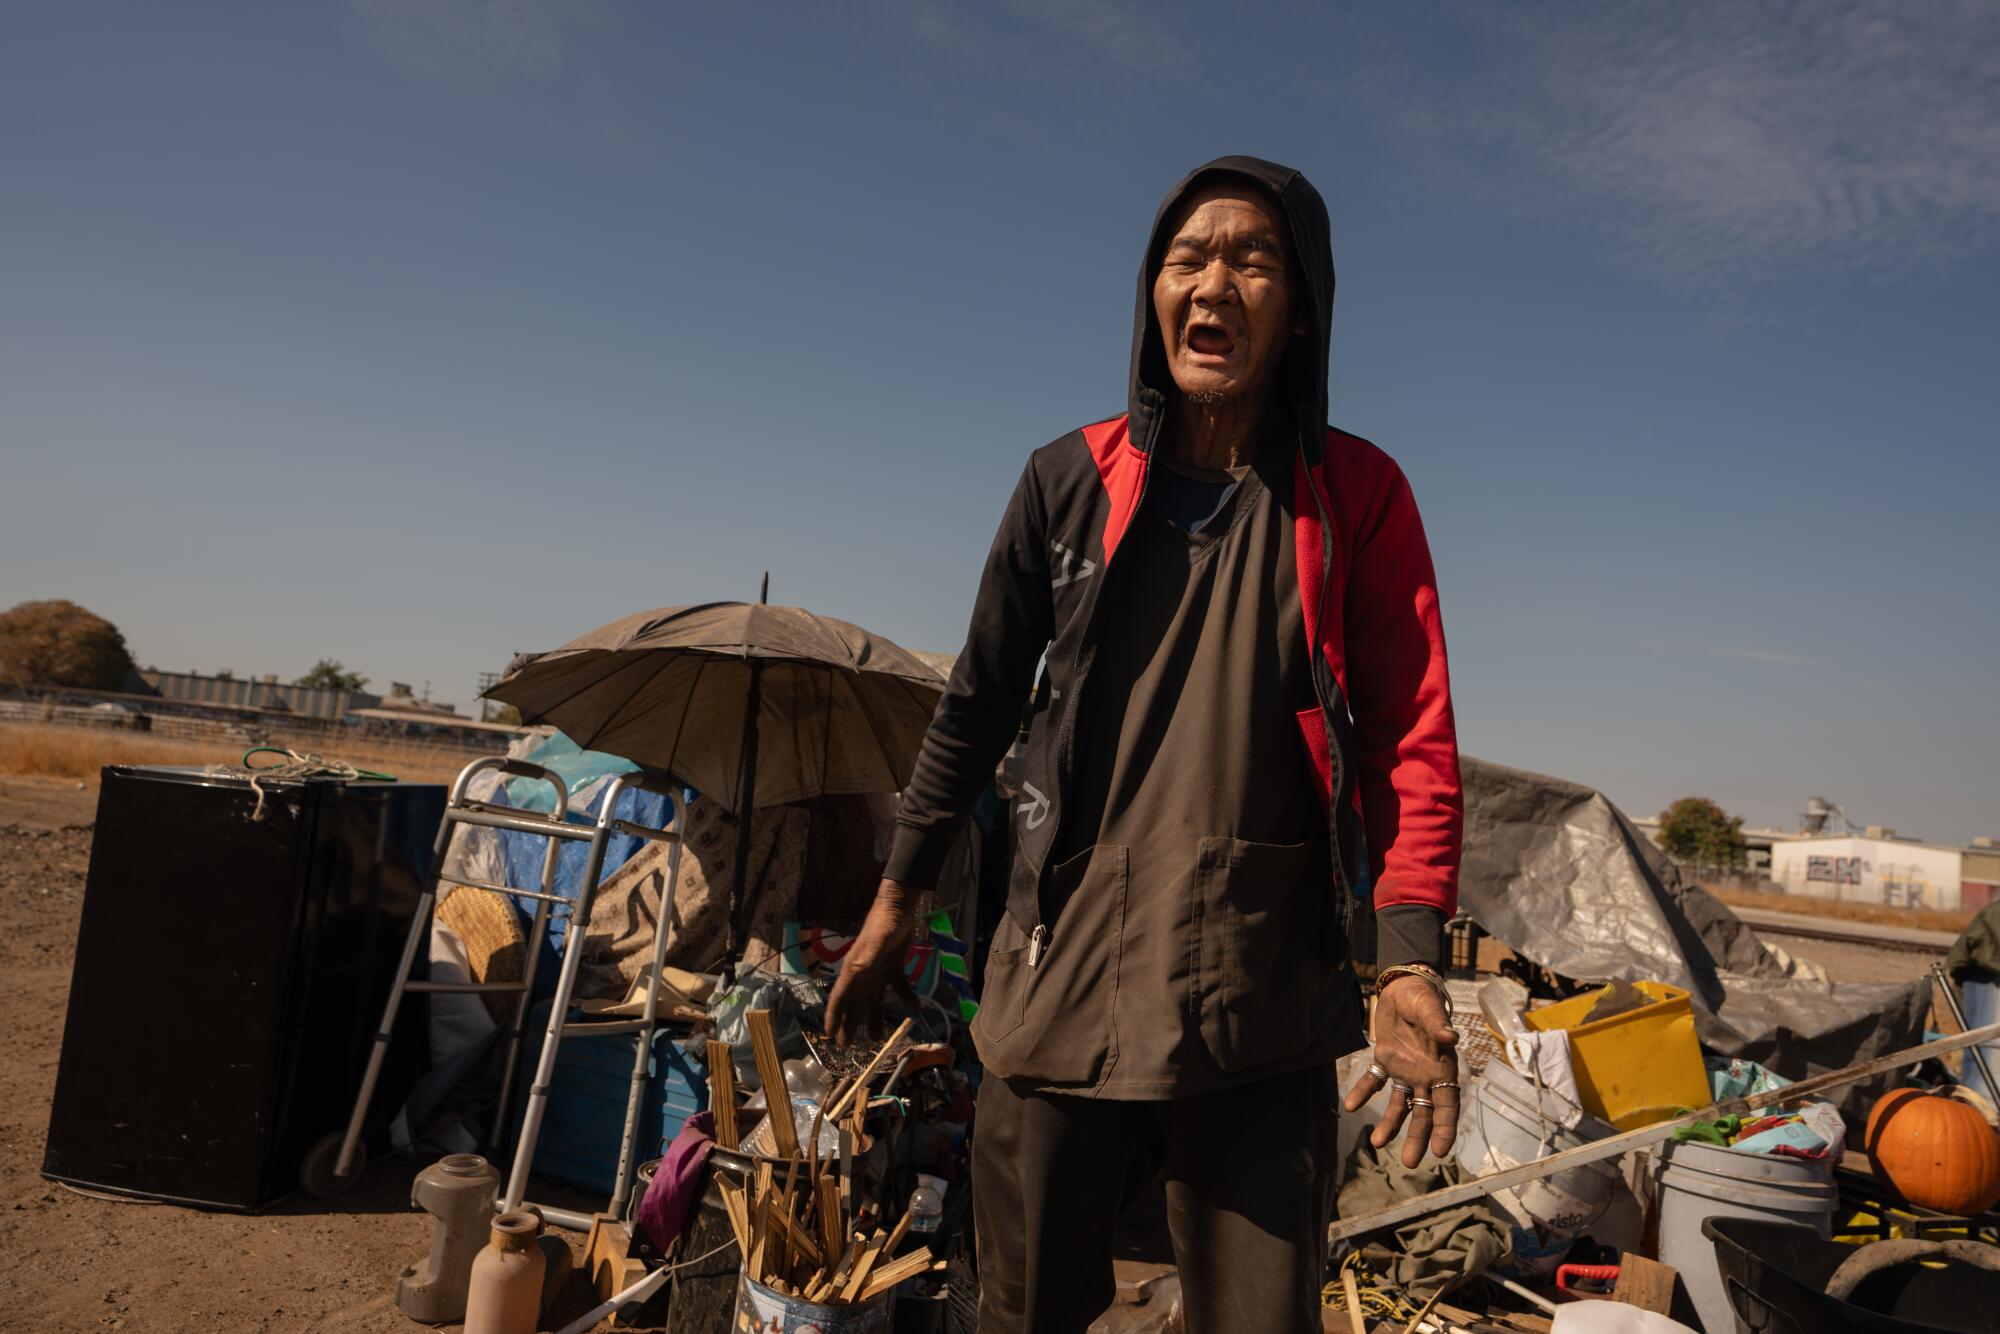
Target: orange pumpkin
pixel 1935 1151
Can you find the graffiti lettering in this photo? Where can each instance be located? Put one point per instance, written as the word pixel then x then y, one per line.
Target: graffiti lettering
pixel 1905 887
pixel 1834 870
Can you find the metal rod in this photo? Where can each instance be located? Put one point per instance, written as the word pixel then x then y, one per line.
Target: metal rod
pixel 1646 1136
pixel 463 988
pixel 1978 1054
pixel 539 825
pixel 604 1028
pixel 746 802
pixel 455 808
pixel 477 884
pixel 642 1054
pixel 567 1219
pixel 419 928
pixel 645 832
pixel 641 1291
pixel 509 890
pixel 529 963
pixel 572 960
pixel 555 900
pixel 1534 1297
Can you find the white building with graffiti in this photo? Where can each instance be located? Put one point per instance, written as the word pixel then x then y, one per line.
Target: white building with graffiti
pixel 1871 868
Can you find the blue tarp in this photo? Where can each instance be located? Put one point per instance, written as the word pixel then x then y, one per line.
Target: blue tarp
pixel 588 775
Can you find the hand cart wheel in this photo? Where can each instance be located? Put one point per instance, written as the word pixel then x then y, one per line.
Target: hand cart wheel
pixel 318 1173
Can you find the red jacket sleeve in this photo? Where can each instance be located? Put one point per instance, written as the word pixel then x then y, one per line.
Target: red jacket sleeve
pixel 1399 692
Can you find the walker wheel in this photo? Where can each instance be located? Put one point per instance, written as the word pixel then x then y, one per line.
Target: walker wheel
pixel 316 1173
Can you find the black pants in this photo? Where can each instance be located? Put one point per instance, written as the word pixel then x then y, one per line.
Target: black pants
pixel 1249 1175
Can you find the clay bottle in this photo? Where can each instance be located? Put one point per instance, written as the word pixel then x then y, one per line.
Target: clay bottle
pixel 506 1295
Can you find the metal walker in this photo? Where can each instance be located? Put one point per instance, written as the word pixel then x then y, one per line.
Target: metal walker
pixel 336 1161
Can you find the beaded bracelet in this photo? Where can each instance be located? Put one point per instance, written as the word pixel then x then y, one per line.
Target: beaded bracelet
pixel 1426 972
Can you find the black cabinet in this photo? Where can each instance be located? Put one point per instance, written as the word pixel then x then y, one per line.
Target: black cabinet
pixel 230 972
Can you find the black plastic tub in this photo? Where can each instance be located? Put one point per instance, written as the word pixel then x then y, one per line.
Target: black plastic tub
pixel 1776 1275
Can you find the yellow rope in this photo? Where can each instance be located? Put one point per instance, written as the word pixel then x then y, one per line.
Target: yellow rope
pixel 1380 1300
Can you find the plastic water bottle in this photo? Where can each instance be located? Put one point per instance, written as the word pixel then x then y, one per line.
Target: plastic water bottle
pixel 927 1205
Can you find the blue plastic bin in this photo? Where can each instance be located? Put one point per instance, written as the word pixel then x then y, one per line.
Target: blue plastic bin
pixel 586 1111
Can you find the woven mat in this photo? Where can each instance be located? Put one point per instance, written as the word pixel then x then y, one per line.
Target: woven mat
pixel 495 946
pixel 1476 1044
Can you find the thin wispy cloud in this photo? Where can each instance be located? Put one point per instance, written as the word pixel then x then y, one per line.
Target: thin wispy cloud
pixel 535 65
pixel 474 42
pixel 1765 655
pixel 1043 41
pixel 1710 142
pixel 1008 65
pixel 1720 141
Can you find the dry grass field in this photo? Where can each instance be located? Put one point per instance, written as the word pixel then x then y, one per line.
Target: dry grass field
pixel 56 751
pixel 1874 914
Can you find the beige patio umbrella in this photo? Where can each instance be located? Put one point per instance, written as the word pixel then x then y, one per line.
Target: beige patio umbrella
pixel 752 705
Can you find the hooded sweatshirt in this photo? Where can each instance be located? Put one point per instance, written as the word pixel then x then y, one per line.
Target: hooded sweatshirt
pixel 1074 994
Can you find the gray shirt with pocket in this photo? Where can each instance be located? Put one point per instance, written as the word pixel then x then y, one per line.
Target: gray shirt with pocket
pixel 1193 940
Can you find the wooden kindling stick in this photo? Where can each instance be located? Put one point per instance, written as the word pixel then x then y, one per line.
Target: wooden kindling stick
pixel 1350 1288
pixel 1646 1136
pixel 860 1085
pixel 722 1094
pixel 858 1281
pixel 829 1217
pixel 739 1215
pixel 825 1258
pixel 1424 1312
pixel 889 1275
pixel 771 1074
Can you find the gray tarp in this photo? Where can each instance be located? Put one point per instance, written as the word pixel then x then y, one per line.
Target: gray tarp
pixel 1557 873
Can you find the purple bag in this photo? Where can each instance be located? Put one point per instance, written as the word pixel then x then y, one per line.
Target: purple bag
pixel 676 1185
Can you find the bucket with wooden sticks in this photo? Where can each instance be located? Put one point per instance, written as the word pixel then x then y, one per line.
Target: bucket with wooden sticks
pixel 759 1310
pixel 812 1260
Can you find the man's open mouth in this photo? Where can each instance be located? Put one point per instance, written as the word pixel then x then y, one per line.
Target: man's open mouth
pixel 1210 341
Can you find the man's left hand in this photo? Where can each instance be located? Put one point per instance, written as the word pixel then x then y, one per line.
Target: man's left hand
pixel 1416 1044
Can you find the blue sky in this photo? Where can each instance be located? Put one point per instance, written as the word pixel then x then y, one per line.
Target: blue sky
pixel 415 334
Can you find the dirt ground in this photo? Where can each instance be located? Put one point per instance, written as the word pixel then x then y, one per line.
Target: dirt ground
pixel 74 1263
pixel 1848 962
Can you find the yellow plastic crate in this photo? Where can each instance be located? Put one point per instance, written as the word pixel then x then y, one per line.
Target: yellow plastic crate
pixel 1634 1068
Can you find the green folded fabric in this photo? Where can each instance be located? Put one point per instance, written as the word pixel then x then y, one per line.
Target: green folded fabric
pixel 1424 1254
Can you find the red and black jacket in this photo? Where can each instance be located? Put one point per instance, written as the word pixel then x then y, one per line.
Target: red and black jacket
pixel 1382 740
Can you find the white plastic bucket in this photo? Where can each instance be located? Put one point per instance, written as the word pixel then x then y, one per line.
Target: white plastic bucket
pixel 1703 1181
pixel 1503 1128
pixel 1982 1007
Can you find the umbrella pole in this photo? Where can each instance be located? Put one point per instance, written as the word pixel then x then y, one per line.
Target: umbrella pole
pixel 745 803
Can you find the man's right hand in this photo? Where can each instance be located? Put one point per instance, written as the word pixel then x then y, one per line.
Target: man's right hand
pixel 874 961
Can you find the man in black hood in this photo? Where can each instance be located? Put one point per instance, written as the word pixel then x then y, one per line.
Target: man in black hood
pixel 1243 724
